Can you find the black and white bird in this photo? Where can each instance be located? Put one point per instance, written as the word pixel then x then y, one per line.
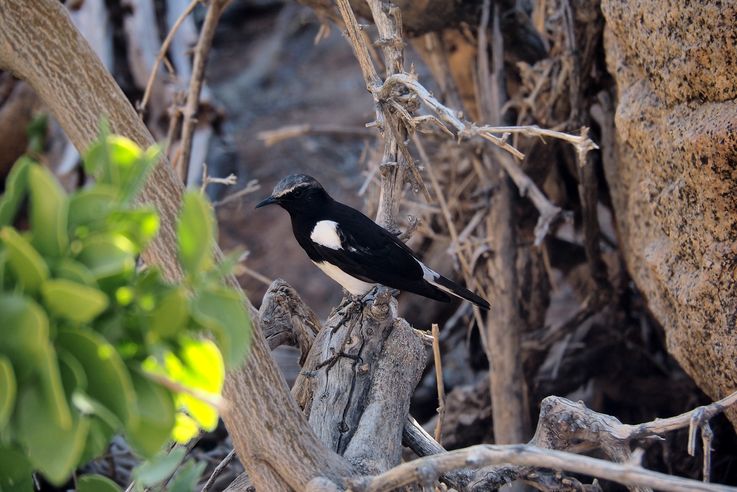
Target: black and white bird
pixel 352 249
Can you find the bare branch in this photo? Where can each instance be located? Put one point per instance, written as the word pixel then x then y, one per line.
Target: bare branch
pixel 162 53
pixel 214 10
pixel 271 137
pixel 218 470
pixel 426 470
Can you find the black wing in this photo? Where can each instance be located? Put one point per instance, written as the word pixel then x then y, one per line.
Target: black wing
pixel 373 254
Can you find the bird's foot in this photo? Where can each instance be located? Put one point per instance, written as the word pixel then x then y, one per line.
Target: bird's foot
pixel 331 361
pixel 353 302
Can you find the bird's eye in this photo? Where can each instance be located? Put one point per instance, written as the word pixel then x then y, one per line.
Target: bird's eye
pixel 298 192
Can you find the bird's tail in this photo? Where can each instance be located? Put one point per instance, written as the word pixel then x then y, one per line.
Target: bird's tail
pixel 453 288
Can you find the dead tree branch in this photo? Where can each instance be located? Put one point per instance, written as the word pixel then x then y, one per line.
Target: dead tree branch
pixel 358 379
pixel 202 49
pixel 425 471
pixel 287 320
pixel 506 377
pixel 392 94
pixel 162 53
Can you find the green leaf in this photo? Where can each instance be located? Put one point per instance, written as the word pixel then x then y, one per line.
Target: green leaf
pixel 98 439
pixel 195 233
pixel 53 450
pixel 222 312
pixel 108 256
pixel 16 187
pixel 28 266
pixel 134 177
pixel 198 366
pixel 8 388
pixel 89 406
pixel 160 467
pixel 187 477
pixel 16 472
pixel 205 371
pixel 171 314
pixel 73 301
pixel 185 428
pixel 108 380
pixel 49 212
pixel 69 269
pixel 140 226
pixel 72 373
pixel 156 417
pixel 89 207
pixel 96 483
pixel 25 341
pixel 96 160
pixel 124 155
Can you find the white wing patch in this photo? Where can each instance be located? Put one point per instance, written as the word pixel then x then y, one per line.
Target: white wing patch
pixel 428 274
pixel 351 284
pixel 431 276
pixel 325 234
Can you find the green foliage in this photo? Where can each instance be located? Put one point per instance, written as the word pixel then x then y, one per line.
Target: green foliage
pixel 91 346
pixel 96 483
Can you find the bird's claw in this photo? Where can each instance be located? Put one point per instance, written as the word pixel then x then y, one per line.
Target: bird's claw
pixel 331 361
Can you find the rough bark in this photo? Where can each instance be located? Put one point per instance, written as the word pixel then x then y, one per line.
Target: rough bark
pixel 358 380
pixel 674 182
pixel 39 44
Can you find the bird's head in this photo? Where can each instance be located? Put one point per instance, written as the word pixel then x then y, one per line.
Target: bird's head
pixel 295 192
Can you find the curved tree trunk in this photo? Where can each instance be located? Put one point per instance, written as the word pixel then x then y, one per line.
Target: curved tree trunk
pixel 39 44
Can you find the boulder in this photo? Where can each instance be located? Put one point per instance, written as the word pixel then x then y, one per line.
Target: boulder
pixel 674 181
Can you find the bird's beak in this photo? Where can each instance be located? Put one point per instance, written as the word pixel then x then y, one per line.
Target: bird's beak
pixel 267 201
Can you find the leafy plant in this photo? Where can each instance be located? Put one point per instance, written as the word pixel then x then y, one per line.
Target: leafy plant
pixel 91 345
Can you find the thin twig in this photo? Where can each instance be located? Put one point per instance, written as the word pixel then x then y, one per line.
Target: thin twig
pixel 549 213
pixel 215 400
pixel 271 137
pixel 218 470
pixel 241 269
pixel 251 186
pixel 162 53
pixel 439 378
pixel 425 470
pixel 440 197
pixel 244 270
pixel 359 45
pixel 660 426
pixel 201 51
pixel 207 180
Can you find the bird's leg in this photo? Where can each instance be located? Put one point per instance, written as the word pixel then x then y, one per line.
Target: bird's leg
pixel 350 303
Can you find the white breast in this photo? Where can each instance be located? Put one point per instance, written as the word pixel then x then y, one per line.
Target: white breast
pixel 351 284
pixel 325 233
